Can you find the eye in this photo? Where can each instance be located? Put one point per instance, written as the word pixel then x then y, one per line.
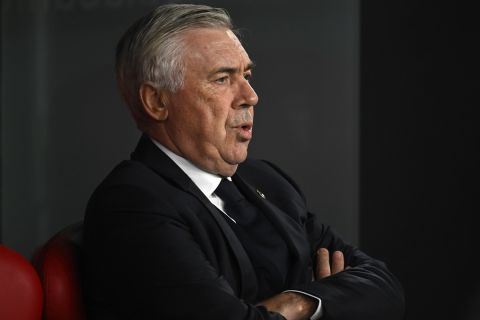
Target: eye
pixel 248 76
pixel 221 80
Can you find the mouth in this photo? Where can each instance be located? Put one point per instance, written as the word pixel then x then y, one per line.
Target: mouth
pixel 245 130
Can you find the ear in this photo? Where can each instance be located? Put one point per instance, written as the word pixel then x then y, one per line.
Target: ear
pixel 153 101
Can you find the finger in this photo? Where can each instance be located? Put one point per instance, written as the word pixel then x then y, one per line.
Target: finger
pixel 323 264
pixel 338 262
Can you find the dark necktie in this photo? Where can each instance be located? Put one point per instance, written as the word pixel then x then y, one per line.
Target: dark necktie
pixel 235 203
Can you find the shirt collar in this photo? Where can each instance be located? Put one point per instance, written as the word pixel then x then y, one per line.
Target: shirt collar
pixel 207 182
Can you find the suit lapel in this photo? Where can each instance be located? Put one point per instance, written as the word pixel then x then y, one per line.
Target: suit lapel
pixel 154 158
pixel 290 230
pixel 249 279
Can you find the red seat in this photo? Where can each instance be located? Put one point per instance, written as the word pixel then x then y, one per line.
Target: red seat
pixel 57 263
pixel 20 289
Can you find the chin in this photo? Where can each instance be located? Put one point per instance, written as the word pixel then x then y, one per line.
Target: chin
pixel 240 154
pixel 230 165
pixel 239 157
pixel 228 172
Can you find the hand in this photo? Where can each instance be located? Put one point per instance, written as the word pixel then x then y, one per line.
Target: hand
pixel 324 267
pixel 296 306
pixel 291 305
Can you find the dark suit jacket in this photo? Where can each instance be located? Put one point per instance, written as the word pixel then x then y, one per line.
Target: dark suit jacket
pixel 156 248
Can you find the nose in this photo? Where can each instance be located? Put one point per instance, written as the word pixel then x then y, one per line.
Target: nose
pixel 247 95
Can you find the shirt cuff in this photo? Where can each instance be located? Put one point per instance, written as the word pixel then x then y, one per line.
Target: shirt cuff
pixel 319 312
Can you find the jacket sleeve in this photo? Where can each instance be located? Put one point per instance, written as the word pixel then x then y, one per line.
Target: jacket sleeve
pixel 366 290
pixel 142 261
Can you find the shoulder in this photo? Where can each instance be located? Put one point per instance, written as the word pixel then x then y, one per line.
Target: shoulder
pixel 133 173
pixel 269 176
pixel 134 187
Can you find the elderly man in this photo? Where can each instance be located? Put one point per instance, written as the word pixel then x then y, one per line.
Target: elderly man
pixel 189 228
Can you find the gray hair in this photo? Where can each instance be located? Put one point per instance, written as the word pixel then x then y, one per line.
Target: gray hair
pixel 152 49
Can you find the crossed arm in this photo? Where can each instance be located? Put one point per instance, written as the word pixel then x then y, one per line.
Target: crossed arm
pixel 159 279
pixel 296 306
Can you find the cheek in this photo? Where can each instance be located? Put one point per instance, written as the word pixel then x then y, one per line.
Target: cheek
pixel 209 112
pixel 220 118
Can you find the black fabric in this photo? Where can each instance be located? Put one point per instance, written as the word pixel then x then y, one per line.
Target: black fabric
pixel 156 248
pixel 229 193
pixel 262 242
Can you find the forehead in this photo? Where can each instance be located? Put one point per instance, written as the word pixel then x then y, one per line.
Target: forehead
pixel 213 47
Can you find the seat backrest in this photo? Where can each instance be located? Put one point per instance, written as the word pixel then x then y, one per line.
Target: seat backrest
pixel 58 265
pixel 20 289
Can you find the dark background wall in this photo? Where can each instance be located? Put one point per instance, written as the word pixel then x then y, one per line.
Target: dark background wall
pixel 64 126
pixel 419 151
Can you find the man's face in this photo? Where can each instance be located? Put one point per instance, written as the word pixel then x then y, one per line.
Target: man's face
pixel 210 118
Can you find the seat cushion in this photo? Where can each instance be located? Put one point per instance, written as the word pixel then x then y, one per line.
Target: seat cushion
pixel 58 266
pixel 20 288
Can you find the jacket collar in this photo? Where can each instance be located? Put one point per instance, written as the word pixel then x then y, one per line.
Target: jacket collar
pixel 150 155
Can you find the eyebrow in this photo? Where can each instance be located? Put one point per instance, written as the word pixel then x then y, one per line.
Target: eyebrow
pixel 250 66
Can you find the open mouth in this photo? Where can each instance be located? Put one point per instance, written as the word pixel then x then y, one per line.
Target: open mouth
pixel 245 130
pixel 246 127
